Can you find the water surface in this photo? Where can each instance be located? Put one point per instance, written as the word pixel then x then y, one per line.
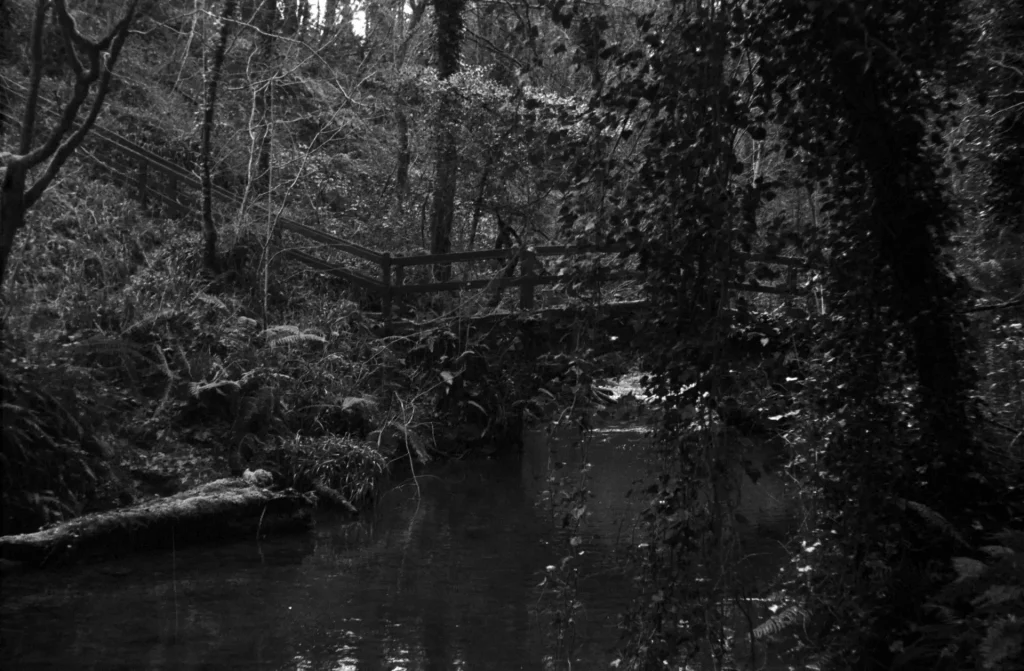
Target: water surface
pixel 447 574
pixel 451 571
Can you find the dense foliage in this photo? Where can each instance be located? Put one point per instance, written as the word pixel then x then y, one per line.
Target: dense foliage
pixel 852 102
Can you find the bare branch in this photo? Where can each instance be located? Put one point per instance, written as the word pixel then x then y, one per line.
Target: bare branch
pixel 32 102
pixel 67 119
pixel 116 39
pixel 1004 64
pixel 1013 302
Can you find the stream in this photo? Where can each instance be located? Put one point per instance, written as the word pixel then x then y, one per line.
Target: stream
pixel 449 572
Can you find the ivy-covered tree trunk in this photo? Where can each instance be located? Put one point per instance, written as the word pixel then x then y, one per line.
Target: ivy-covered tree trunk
pixel 443 212
pixel 890 280
pixel 896 394
pixel 677 204
pixel 448 18
pixel 213 78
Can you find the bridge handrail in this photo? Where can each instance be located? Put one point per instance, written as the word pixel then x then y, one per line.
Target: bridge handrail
pixel 558 250
pixel 332 241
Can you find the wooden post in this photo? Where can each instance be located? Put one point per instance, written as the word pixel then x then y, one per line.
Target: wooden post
pixel 385 295
pixel 174 207
pixel 400 281
pixel 528 263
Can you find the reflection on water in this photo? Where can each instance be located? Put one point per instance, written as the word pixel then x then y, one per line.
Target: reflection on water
pixel 446 575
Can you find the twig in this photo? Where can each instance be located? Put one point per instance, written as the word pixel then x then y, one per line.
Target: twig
pixel 408 450
pixel 260 525
pixel 1001 425
pixel 1013 302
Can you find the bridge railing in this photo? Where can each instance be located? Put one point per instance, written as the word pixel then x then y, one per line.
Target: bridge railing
pixel 529 277
pixel 391 281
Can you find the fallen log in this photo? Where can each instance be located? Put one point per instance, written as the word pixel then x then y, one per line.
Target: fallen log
pixel 231 508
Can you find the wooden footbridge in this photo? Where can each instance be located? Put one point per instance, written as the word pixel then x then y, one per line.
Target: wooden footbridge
pixel 154 181
pixel 389 283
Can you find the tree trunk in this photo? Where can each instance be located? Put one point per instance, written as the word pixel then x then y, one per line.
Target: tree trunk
pixel 290 21
pixel 12 216
pixel 448 16
pixel 305 18
pixel 330 18
pixel 347 19
pixel 209 228
pixel 5 97
pixel 404 159
pixel 478 206
pixel 504 239
pixel 444 199
pixel 265 101
pixel 404 27
pixel 224 509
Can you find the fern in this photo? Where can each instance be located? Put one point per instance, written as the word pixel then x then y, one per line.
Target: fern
pixel 196 389
pixel 997 551
pixel 995 591
pixel 101 344
pixel 298 338
pixel 943 614
pixel 998 594
pixel 780 621
pixel 936 521
pixel 288 334
pixel 350 402
pixel 1002 645
pixel 276 331
pixel 211 300
pixel 967 568
pixel 821 661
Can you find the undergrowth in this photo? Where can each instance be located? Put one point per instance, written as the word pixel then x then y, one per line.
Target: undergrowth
pixel 124 362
